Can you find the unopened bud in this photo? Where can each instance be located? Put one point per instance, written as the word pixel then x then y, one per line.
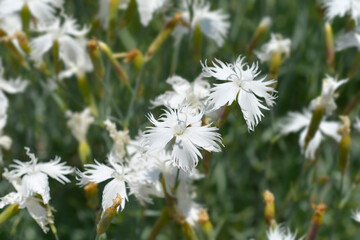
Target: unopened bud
pixel 8 213
pixel 23 41
pixel 108 215
pixel 91 194
pixel 119 71
pixel 197 40
pixel 84 152
pixel 316 221
pixel 316 118
pixel 329 43
pixel 205 222
pixel 344 145
pixel 259 32
pixel 269 211
pixel 86 93
pixel 25 18
pixel 136 57
pixel 163 35
pixel 275 63
pixel 96 58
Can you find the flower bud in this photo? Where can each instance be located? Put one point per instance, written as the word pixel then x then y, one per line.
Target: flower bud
pixel 8 213
pixel 329 42
pixel 119 71
pixel 108 215
pixel 316 220
pixel 269 212
pixel 23 41
pixel 344 145
pixel 113 10
pixel 84 152
pixel 316 118
pixel 259 32
pixel 197 40
pixel 163 35
pixel 86 93
pixel 96 58
pixel 91 194
pixel 136 57
pixel 275 63
pixel 205 222
pixel 25 18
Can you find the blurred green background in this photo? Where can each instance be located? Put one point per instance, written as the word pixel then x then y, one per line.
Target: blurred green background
pixel 250 163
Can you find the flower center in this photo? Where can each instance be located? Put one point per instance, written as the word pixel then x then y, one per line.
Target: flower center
pixel 179 128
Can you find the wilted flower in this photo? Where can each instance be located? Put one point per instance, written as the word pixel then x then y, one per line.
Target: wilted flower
pixel 64 34
pixel 79 123
pixel 120 138
pixel 328 95
pixel 180 132
pixel 280 233
pixel 339 8
pixel 146 10
pixel 184 92
pixel 42 10
pixel 213 24
pixel 34 175
pixel 240 84
pixel 277 44
pixel 296 121
pixel 99 172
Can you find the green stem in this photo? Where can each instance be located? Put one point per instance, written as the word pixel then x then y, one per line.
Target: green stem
pixel 338 208
pixel 8 213
pixel 160 223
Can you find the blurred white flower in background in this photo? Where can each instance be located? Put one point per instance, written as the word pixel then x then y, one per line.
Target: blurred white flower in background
pixel 296 121
pixel 356 216
pixel 357 124
pixel 120 138
pixel 184 92
pixel 79 123
pixel 79 67
pixel 213 24
pixel 11 25
pixel 180 132
pixel 276 45
pixel 239 84
pixel 348 40
pixel 339 8
pixel 327 98
pixel 5 141
pixel 145 8
pixel 66 34
pixel 42 10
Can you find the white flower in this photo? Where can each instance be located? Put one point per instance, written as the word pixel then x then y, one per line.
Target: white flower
pixel 277 44
pixel 5 141
pixel 11 86
pixel 11 25
pixel 184 92
pixel 146 10
pixel 99 172
pixel 180 132
pixel 340 8
pixel 348 40
pixel 79 67
pixel 34 175
pixel 213 24
pixel 296 121
pixel 239 84
pixel 70 48
pixel 280 233
pixel 328 95
pixel 356 216
pixel 120 138
pixel 79 123
pixel 357 124
pixel 42 10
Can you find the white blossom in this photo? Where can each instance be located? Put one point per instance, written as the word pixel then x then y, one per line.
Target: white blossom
pixel 180 132
pixel 328 95
pixel 145 8
pixel 296 121
pixel 115 172
pixel 339 8
pixel 276 45
pixel 42 10
pixel 280 233
pixel 120 138
pixel 79 67
pixel 239 83
pixel 68 37
pixel 356 216
pixel 348 40
pixel 213 24
pixel 184 92
pixel 34 175
pixel 79 123
pixel 357 124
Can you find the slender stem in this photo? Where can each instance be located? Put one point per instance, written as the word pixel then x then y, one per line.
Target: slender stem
pixel 8 213
pixel 160 223
pixel 337 207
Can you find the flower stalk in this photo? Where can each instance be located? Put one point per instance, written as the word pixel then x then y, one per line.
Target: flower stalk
pixel 25 18
pixel 86 93
pixel 344 145
pixel 329 43
pixel 96 59
pixel 316 221
pixel 316 118
pixel 259 32
pixel 8 213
